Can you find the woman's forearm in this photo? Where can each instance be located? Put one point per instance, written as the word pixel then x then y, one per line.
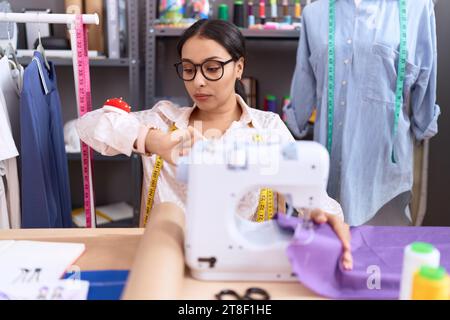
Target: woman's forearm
pixel 153 141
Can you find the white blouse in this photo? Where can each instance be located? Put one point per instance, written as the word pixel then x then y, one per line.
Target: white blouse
pixel 111 133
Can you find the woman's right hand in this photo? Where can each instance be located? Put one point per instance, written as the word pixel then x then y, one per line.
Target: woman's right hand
pixel 342 231
pixel 171 145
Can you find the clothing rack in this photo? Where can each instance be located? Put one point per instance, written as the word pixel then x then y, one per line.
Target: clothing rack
pixel 52 18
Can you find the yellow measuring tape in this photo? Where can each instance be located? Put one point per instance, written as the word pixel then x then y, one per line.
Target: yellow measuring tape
pixel 98 213
pixel 261 215
pixel 265 204
pixel 266 197
pixel 154 182
pixel 270 204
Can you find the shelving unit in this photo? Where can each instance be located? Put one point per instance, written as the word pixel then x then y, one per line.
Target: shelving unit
pixel 93 62
pixel 160 54
pixel 248 33
pixel 97 157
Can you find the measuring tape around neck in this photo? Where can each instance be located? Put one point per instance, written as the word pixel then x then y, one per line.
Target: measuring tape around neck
pixel 85 106
pixel 332 72
pixel 331 69
pixel 401 69
pixel 266 196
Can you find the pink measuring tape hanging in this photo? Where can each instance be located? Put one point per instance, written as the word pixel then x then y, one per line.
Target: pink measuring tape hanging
pixel 84 106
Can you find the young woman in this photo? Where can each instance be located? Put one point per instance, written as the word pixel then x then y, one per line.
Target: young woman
pixel 212 55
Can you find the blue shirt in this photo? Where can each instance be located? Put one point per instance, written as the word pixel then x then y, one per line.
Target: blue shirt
pixel 362 176
pixel 45 180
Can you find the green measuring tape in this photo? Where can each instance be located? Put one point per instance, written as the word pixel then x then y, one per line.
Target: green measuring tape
pixel 332 72
pixel 401 68
pixel 331 69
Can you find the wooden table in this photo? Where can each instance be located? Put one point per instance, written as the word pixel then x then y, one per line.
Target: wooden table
pixel 114 249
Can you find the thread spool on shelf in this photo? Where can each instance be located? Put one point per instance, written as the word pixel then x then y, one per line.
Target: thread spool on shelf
pixel 223 12
pixel 262 11
pixel 238 13
pixel 286 16
pixel 270 103
pixel 251 16
pixel 298 9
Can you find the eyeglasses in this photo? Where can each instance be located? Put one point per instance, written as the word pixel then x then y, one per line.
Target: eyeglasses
pixel 212 70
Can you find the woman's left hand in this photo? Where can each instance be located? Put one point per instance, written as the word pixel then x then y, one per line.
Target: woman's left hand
pixel 342 230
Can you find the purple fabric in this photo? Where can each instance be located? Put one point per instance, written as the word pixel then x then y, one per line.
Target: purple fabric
pixel 317 263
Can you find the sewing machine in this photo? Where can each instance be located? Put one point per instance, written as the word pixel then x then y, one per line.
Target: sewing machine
pixel 221 245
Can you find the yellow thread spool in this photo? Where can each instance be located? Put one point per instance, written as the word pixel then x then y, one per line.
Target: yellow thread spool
pixel 431 284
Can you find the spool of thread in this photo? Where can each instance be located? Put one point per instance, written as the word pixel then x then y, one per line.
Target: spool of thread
pixel 298 9
pixel 286 17
pixel 262 11
pixel 238 13
pixel 223 12
pixel 431 284
pixel 415 256
pixel 251 21
pixel 251 17
pixel 285 8
pixel 271 103
pixel 286 102
pixel 273 9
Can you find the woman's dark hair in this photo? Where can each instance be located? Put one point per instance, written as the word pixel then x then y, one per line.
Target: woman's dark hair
pixel 223 32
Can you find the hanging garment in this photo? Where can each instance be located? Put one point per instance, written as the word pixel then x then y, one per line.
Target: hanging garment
pixel 362 176
pixel 71 138
pixel 10 87
pixel 11 79
pixel 315 257
pixel 8 154
pixel 4 219
pixel 45 180
pixel 11 193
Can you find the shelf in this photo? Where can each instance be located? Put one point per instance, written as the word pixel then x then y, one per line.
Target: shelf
pixel 124 223
pixel 98 157
pixel 93 62
pixel 277 34
pixel 248 33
